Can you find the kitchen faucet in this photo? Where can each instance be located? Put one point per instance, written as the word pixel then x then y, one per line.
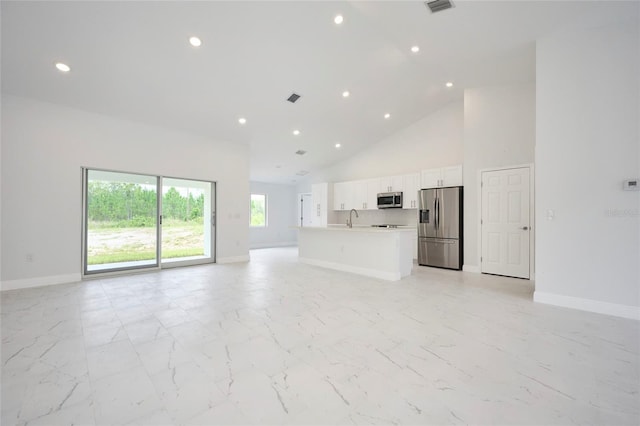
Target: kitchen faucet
pixel 350 221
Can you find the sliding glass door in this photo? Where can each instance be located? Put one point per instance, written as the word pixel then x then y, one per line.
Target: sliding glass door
pixel 121 216
pixel 127 225
pixel 187 221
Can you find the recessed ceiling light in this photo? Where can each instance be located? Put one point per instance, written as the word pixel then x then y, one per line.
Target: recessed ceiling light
pixel 449 84
pixel 242 120
pixel 345 94
pixel 296 132
pixel 387 115
pixel 338 145
pixel 195 41
pixel 339 19
pixel 63 67
pixel 415 49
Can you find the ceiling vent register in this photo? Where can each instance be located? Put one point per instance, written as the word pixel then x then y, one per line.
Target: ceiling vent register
pixel 302 173
pixel 438 5
pixel 293 98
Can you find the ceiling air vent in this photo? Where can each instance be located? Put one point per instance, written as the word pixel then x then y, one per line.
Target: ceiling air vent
pixel 293 98
pixel 438 5
pixel 302 173
pixel 301 152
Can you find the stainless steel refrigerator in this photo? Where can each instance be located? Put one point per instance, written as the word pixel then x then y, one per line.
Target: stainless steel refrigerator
pixel 440 227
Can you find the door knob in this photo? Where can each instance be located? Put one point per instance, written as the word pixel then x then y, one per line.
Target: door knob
pixel 525 228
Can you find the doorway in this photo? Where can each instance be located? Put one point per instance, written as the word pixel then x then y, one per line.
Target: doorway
pixel 128 225
pixel 505 222
pixel 305 209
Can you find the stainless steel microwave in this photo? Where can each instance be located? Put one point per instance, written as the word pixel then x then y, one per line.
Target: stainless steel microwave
pixel 390 200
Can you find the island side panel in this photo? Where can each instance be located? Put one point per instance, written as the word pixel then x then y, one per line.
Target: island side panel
pixel 380 254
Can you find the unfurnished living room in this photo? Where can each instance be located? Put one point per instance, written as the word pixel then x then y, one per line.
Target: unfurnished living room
pixel 320 212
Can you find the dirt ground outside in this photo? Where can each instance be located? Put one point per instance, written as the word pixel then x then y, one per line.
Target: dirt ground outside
pixel 129 244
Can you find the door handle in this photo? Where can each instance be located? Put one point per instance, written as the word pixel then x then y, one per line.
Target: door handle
pixel 525 228
pixel 213 219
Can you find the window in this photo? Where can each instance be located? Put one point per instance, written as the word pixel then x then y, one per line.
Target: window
pixel 258 210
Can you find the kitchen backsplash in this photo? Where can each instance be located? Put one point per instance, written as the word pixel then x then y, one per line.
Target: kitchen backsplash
pixel 378 217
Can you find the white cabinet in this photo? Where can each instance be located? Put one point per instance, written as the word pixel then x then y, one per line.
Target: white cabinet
pixel 321 195
pixel 363 194
pixel 431 178
pixel 444 176
pixel 410 193
pixel 452 176
pixel 338 195
pixel 366 194
pixel 343 195
pixel 360 195
pixel 373 187
pixel 391 184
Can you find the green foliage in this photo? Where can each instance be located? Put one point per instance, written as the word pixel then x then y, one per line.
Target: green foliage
pixel 258 216
pixel 122 205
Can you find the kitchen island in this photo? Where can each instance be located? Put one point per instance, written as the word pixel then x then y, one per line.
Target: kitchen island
pixel 385 253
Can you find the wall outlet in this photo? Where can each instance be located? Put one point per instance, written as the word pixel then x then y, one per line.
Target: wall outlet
pixel 551 214
pixel 29 257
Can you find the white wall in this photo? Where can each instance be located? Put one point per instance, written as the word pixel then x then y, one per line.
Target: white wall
pixel 587 144
pixel 434 141
pixel 44 147
pixel 281 216
pixel 499 131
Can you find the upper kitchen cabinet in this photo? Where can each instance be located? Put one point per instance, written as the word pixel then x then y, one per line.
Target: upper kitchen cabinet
pixel 441 177
pixel 391 184
pixel 410 193
pixel 321 197
pixel 452 176
pixel 366 194
pixel 343 195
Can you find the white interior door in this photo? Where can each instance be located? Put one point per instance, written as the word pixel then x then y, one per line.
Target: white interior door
pixel 305 210
pixel 505 223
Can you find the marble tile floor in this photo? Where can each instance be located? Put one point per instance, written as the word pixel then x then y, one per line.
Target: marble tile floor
pixel 274 341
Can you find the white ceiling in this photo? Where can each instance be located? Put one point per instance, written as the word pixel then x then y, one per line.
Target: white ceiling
pixel 133 60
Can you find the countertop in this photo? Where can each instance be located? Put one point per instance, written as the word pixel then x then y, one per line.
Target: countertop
pixel 358 228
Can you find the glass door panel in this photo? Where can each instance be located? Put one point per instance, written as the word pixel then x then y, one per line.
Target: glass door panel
pixel 121 211
pixel 187 221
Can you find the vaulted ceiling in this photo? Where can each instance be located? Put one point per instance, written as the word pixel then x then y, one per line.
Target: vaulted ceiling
pixel 133 60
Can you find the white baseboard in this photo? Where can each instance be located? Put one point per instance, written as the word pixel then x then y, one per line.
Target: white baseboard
pixel 389 276
pixel 471 268
pixel 277 244
pixel 614 309
pixel 40 281
pixel 233 259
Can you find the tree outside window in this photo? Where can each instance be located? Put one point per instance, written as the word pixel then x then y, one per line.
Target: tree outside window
pixel 258 210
